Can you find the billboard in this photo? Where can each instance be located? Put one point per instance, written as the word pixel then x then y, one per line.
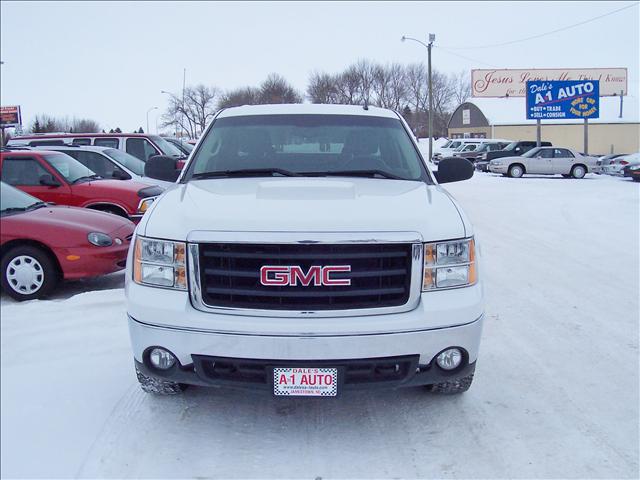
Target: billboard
pixel 10 116
pixel 558 100
pixel 512 83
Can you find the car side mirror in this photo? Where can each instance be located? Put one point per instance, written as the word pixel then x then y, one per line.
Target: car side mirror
pixel 121 175
pixel 518 150
pixel 48 180
pixel 162 167
pixel 454 170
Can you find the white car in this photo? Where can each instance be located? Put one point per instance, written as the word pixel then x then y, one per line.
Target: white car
pixel 277 263
pixel 616 165
pixel 109 163
pixel 457 148
pixel 545 161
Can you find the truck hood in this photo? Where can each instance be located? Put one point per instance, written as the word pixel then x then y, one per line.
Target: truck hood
pixel 304 205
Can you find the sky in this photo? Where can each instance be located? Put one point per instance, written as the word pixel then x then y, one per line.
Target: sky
pixel 109 61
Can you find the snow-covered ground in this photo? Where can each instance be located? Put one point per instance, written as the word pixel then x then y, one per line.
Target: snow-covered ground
pixel 555 394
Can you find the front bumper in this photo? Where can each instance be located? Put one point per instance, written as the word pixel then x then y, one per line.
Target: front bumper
pixel 497 168
pixel 193 347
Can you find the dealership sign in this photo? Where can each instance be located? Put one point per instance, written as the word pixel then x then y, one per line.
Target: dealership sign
pixel 512 83
pixel 563 99
pixel 10 116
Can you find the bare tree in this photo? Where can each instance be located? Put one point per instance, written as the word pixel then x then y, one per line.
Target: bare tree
pixel 461 86
pixel 322 88
pixel 192 114
pixel 239 96
pixel 275 89
pixel 347 86
pixel 44 123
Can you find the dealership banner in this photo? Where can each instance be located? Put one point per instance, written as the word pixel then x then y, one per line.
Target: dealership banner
pixel 563 99
pixel 513 83
pixel 10 116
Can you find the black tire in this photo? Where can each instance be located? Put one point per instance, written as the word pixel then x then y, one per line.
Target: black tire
pixel 43 263
pixel 578 172
pixel 452 387
pixel 516 171
pixel 158 386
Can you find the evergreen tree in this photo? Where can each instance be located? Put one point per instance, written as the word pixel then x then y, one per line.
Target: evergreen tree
pixel 140 130
pixel 117 130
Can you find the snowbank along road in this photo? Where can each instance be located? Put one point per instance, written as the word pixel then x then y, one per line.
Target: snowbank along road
pixel 555 395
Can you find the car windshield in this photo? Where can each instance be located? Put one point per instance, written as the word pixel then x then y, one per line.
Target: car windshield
pixel 166 147
pixel 185 147
pixel 446 145
pixel 511 146
pixel 12 199
pixel 484 147
pixel 454 145
pixel 71 169
pixel 308 145
pixel 129 161
pixel 533 152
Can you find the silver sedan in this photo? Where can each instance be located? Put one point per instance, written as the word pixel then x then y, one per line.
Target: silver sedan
pixel 545 161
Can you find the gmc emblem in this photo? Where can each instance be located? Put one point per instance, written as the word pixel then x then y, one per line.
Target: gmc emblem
pixel 278 276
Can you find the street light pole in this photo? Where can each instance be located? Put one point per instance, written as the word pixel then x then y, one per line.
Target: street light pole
pixel 152 108
pixel 432 38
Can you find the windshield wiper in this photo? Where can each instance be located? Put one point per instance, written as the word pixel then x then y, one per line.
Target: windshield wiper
pixel 13 209
pixel 33 206
pixel 358 173
pixel 87 178
pixel 248 172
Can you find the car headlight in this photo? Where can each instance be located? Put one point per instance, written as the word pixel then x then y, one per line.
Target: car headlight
pixel 160 263
pixel 145 203
pixel 99 239
pixel 635 168
pixel 449 264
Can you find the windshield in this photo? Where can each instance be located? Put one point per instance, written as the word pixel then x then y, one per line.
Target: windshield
pixel 71 169
pixel 182 145
pixel 484 147
pixel 533 152
pixel 511 146
pixel 446 145
pixel 312 145
pixel 129 161
pixel 166 147
pixel 11 198
pixel 454 145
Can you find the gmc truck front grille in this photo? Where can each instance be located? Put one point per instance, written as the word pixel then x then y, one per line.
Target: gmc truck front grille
pixel 380 275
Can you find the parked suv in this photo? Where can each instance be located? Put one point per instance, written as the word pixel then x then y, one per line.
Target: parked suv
pixel 58 178
pixel 305 250
pixel 139 145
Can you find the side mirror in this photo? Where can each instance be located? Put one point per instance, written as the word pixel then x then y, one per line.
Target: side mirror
pixel 454 170
pixel 48 180
pixel 120 175
pixel 518 150
pixel 162 167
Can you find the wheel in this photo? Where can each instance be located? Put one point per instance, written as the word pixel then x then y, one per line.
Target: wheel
pixel 516 171
pixel 459 385
pixel 158 386
pixel 578 171
pixel 28 273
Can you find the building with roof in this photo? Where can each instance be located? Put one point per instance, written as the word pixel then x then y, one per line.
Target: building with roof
pixel 506 118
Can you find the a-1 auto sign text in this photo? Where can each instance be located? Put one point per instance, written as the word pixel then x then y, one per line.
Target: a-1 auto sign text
pixel 563 99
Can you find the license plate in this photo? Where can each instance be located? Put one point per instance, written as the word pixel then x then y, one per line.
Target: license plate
pixel 305 381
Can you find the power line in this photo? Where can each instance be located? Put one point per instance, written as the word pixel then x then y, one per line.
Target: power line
pixel 547 33
pixel 446 50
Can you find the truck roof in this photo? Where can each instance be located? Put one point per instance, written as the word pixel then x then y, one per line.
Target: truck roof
pixel 307 109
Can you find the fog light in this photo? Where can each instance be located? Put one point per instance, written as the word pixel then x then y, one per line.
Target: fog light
pixel 449 359
pixel 162 359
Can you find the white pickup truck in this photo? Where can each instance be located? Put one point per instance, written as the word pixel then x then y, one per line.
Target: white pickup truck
pixel 305 250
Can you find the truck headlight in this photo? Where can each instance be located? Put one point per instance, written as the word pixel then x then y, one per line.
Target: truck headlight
pixel 160 263
pixel 449 264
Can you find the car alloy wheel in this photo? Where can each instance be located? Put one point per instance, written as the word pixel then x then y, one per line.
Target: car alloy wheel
pixel 516 171
pixel 25 275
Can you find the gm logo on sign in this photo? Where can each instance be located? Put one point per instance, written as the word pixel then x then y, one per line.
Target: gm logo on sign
pixel 294 275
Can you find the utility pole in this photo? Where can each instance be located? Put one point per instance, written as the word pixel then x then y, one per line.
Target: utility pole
pixel 432 39
pixel 538 133
pixel 586 136
pixel 184 81
pixel 152 108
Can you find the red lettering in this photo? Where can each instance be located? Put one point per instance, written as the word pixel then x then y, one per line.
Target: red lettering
pixel 327 271
pixel 304 380
pixel 328 379
pixel 280 275
pixel 283 379
pixel 305 279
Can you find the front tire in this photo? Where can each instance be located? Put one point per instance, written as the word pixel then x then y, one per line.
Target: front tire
pixel 28 273
pixel 578 172
pixel 452 387
pixel 516 171
pixel 158 386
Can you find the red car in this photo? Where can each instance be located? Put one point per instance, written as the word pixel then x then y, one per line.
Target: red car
pixel 61 179
pixel 41 244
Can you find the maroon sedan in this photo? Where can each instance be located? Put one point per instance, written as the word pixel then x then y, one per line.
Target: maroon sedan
pixel 42 243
